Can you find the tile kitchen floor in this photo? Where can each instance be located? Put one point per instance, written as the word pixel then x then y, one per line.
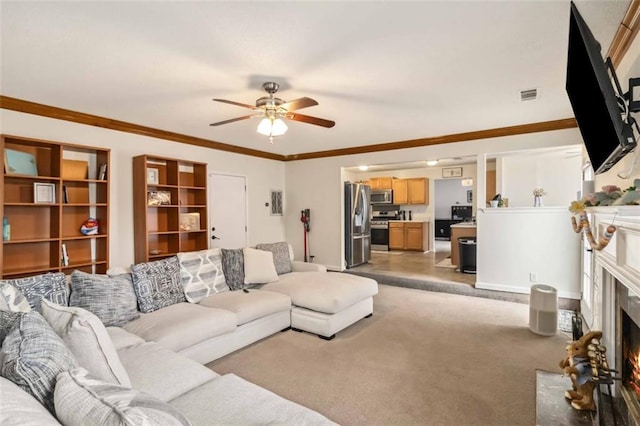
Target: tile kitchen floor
pixel 411 264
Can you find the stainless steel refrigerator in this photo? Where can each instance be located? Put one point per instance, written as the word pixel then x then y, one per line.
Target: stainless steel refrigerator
pixel 357 208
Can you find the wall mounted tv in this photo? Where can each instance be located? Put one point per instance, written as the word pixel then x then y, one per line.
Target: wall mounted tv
pixel 597 107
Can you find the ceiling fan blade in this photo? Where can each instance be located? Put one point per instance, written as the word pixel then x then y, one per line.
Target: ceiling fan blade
pixel 219 123
pixel 299 104
pixel 311 120
pixel 224 101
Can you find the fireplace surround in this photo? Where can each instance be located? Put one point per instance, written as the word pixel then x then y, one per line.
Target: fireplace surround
pixel 611 300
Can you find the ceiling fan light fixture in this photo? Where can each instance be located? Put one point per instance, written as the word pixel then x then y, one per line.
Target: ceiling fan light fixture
pixel 270 127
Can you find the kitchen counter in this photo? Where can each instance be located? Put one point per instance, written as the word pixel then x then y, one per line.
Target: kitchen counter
pixel 460 230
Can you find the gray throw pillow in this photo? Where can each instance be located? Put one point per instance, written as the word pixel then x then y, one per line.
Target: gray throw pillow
pixel 7 321
pixel 201 273
pixel 33 355
pixel 112 299
pixel 52 286
pixel 233 268
pixel 157 284
pixel 281 257
pixel 83 400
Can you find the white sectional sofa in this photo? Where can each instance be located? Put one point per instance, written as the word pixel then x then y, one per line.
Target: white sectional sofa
pixel 163 350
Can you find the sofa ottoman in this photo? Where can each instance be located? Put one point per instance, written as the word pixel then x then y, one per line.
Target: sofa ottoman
pixel 326 302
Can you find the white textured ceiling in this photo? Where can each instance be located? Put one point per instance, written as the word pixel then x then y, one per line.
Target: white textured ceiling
pixel 383 71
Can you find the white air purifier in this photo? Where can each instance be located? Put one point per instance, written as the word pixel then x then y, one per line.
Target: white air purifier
pixel 543 310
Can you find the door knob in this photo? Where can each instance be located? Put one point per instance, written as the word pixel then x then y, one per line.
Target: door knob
pixel 213 237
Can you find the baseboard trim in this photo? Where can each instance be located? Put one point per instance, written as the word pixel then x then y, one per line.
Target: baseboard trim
pixel 521 290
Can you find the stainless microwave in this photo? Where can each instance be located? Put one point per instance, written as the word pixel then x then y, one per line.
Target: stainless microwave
pixel 382 196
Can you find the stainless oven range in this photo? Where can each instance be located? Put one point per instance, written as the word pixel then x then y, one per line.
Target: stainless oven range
pixel 380 226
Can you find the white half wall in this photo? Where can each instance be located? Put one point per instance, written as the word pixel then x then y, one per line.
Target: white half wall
pixel 519 247
pixel 262 175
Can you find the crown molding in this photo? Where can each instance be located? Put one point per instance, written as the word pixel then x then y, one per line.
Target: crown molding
pixel 123 126
pixel 627 32
pixel 28 107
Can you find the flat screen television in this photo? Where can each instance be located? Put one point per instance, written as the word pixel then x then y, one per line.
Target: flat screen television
pixel 596 106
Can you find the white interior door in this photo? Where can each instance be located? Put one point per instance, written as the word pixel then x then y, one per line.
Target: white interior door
pixel 228 211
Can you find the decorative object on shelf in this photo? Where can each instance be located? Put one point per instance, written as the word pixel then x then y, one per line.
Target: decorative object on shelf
pixel 153 176
pixel 65 195
pixel 190 221
pixel 155 252
pixel 74 169
pixel 44 193
pixel 612 195
pixel 102 172
pixel 65 256
pixel 495 201
pixel 19 163
pixel 578 207
pixel 449 172
pixel 89 227
pixel 159 198
pixel 581 365
pixel 6 229
pixel 537 197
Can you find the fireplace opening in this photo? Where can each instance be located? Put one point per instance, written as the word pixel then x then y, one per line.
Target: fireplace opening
pixel 631 356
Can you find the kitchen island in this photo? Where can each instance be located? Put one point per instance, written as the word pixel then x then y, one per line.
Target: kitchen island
pixel 459 230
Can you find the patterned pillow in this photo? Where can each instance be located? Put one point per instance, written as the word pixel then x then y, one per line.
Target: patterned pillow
pixel 111 299
pixel 87 339
pixel 201 273
pixel 157 284
pixel 7 321
pixel 12 299
pixel 33 355
pixel 281 258
pixel 233 268
pixel 53 286
pixel 83 400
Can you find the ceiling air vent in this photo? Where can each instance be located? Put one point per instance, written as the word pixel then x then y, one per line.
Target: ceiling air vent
pixel 528 95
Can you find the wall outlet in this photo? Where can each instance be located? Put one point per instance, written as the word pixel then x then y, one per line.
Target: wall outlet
pixel 532 277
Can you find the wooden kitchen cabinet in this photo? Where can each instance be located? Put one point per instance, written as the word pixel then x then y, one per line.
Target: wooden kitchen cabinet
pixel 385 182
pixel 408 236
pixel 410 191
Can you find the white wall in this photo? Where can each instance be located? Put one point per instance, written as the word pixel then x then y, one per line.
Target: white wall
pixel 516 242
pixel 262 175
pixel 559 177
pixel 446 193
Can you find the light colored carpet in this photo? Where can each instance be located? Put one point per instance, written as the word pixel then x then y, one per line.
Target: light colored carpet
pixel 424 358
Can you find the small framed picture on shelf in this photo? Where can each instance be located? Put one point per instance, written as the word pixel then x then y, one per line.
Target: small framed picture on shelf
pixel 44 193
pixel 158 198
pixel 449 172
pixel 153 176
pixel 190 221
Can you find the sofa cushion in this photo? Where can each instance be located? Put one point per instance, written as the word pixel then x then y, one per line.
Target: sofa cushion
pixel 83 400
pixel 18 408
pixel 182 325
pixel 12 299
pixel 52 286
pixel 234 401
pixel 111 299
pixel 32 355
pixel 161 372
pixel 157 284
pixel 233 267
pixel 281 256
pixel 7 321
pixel 327 292
pixel 249 306
pixel 121 338
pixel 258 266
pixel 88 340
pixel 201 273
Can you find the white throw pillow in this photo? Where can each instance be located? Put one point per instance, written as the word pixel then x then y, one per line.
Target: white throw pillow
pixel 258 266
pixel 12 299
pixel 87 339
